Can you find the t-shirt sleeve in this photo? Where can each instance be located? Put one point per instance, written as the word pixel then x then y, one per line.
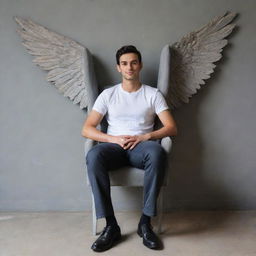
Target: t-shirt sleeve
pixel 100 104
pixel 160 103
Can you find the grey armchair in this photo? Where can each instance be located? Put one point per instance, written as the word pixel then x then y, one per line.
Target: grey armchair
pixel 129 176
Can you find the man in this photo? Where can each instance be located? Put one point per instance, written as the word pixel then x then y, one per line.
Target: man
pixel 130 108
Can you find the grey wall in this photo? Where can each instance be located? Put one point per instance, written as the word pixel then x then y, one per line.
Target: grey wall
pixel 42 161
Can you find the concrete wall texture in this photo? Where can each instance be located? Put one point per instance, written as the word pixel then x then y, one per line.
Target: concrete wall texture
pixel 42 160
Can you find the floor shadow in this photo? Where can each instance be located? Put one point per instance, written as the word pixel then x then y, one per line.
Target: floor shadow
pixel 194 222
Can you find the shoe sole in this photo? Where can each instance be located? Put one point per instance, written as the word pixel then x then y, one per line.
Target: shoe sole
pixel 110 245
pixel 140 234
pixel 147 245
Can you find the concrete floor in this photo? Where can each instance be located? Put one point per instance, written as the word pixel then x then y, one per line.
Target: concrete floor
pixel 216 233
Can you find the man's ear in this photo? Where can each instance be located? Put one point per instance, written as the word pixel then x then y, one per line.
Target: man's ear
pixel 118 68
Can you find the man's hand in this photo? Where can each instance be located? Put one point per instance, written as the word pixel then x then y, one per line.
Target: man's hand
pixel 134 140
pixel 128 141
pixel 120 140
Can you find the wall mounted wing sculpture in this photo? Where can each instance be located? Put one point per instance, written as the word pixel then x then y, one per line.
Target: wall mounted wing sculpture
pixel 183 66
pixel 68 63
pixel 187 63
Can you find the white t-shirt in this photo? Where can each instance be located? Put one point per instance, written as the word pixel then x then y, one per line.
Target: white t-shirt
pixel 130 113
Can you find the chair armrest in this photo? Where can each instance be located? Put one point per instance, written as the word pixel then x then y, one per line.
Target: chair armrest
pixel 166 143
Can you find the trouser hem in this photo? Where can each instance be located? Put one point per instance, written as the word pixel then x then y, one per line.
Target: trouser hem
pixel 100 217
pixel 154 214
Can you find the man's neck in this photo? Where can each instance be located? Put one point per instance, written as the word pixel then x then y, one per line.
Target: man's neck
pixel 131 86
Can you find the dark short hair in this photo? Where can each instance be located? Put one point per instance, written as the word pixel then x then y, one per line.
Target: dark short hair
pixel 127 49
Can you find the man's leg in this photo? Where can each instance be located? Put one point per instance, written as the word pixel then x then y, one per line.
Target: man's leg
pixel 100 159
pixel 150 156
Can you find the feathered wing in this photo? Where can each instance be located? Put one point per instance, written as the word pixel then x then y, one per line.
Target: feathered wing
pixel 191 59
pixel 66 61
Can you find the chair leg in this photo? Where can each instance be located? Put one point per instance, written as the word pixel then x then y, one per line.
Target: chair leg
pixel 160 211
pixel 94 219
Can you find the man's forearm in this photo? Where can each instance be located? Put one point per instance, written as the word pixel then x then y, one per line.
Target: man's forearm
pixel 162 132
pixel 158 134
pixel 94 134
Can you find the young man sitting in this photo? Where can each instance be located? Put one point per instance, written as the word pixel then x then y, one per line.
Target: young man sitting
pixel 130 108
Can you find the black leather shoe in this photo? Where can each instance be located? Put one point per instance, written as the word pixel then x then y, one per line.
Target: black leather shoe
pixel 149 237
pixel 108 236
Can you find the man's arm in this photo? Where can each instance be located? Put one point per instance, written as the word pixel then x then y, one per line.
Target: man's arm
pixel 90 131
pixel 169 126
pixel 169 129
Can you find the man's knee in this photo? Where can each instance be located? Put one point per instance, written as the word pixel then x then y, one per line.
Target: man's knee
pixel 94 154
pixel 155 152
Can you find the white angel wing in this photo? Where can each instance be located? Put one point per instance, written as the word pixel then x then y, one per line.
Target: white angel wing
pixel 190 61
pixel 66 61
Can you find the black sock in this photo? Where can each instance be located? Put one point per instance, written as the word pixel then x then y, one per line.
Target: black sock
pixel 111 220
pixel 144 219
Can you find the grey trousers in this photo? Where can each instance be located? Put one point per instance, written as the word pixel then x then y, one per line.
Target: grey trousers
pixel 104 157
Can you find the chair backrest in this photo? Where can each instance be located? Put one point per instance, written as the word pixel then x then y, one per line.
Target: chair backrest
pixel 90 80
pixel 163 77
pixel 164 72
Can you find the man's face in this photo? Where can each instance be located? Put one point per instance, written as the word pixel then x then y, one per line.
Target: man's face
pixel 129 66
